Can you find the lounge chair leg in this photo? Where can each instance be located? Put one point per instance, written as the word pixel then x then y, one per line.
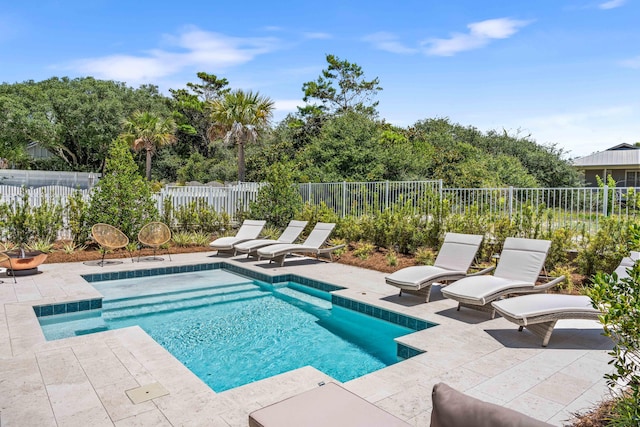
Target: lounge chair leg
pixel 400 294
pixel 520 328
pixel 458 307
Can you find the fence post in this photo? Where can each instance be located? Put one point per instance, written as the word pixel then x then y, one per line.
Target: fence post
pixel 344 199
pixel 510 201
pixel 605 201
pixel 386 194
pixel 309 193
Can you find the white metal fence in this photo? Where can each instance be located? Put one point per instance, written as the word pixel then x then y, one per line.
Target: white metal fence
pixel 564 207
pixel 360 198
pixel 229 199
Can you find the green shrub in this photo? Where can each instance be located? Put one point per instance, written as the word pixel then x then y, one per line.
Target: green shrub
pixel 181 238
pixel 41 245
pixel 619 300
pixel 77 218
pixel 425 256
pixel 566 271
pixel 392 258
pixel 561 243
pixel 46 220
pixel 200 239
pixel 337 242
pixel 351 228
pixel 603 251
pixel 186 216
pixel 270 232
pixel 363 250
pixel 320 213
pixel 122 198
pixel 17 220
pixel 279 201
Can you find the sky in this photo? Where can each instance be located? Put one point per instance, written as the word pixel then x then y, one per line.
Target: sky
pixel 565 73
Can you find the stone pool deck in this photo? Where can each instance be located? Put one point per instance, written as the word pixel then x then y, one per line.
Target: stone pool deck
pixel 83 380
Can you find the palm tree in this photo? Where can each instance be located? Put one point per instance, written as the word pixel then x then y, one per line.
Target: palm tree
pixel 148 131
pixel 240 116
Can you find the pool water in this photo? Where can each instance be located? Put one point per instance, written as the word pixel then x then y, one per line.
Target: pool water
pixel 230 330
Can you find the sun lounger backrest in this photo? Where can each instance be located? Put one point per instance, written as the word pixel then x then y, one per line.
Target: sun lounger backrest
pixel 627 263
pixel 292 232
pixel 458 251
pixel 250 229
pixel 319 234
pixel 522 259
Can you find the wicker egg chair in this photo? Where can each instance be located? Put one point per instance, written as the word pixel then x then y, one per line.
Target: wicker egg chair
pixel 109 238
pixel 154 235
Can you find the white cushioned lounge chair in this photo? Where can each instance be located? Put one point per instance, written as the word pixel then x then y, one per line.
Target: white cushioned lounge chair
pixel 249 230
pixel 452 263
pixel 539 313
pixel 289 235
pixel 519 266
pixel 627 263
pixel 312 245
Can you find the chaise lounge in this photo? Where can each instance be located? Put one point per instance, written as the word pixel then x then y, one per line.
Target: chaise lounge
pixel 627 263
pixel 539 313
pixel 249 230
pixel 312 245
pixel 452 263
pixel 520 264
pixel 289 235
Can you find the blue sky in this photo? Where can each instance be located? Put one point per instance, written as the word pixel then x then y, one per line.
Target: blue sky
pixel 564 72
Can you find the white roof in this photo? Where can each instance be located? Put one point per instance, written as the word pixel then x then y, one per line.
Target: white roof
pixel 620 155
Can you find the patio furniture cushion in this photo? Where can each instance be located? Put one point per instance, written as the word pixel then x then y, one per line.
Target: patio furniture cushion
pixel 452 408
pixel 479 288
pixel 328 405
pixel 414 277
pixel 528 307
pixel 250 229
pixel 289 235
pixel 626 264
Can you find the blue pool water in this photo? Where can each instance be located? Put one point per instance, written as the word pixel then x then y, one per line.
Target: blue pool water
pixel 230 330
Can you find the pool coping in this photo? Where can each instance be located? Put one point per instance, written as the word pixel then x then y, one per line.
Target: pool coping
pixel 403 389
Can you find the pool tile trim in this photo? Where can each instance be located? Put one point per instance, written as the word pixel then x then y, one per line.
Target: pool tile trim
pixel 45 310
pixel 380 313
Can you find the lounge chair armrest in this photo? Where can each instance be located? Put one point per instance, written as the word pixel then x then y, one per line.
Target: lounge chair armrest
pixel 551 284
pixel 483 271
pixel 330 249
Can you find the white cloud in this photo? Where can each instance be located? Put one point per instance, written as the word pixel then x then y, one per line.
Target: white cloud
pixel 631 63
pixel 192 48
pixel 288 105
pixel 611 4
pixel 585 131
pixel 479 35
pixel 318 36
pixel 388 42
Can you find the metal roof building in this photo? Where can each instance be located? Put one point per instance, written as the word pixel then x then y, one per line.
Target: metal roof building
pixel 622 162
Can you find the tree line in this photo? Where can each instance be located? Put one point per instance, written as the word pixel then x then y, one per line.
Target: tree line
pixel 209 131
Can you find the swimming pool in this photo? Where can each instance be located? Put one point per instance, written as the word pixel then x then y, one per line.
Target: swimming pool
pixel 231 330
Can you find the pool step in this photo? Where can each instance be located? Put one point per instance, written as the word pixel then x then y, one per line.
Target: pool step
pixel 167 283
pixel 177 296
pixel 155 292
pixel 162 304
pixel 90 326
pixel 304 297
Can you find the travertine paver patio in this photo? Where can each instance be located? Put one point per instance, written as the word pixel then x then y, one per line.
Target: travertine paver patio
pixel 82 380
